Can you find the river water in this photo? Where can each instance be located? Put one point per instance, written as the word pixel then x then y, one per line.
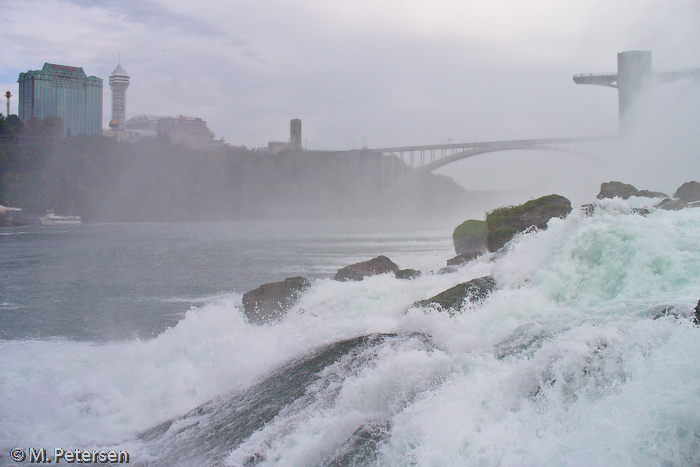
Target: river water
pixel 132 337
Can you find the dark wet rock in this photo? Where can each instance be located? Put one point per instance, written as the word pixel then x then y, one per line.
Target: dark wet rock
pixel 407 274
pixel 447 270
pixel 617 189
pixel 588 209
pixel 689 191
pixel 363 446
pixel 665 310
pixel 451 300
pixel 470 236
pixel 270 302
pixel 625 190
pixel 206 435
pixel 504 223
pixel 358 271
pixel 463 258
pixel 672 204
pixel 674 311
pixel 651 194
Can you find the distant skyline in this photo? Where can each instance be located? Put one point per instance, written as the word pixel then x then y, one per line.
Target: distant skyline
pixel 388 72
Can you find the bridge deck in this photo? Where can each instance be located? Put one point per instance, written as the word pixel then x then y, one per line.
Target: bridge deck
pixel 484 144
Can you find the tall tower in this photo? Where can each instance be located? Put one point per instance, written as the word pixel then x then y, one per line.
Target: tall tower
pixel 8 94
pixel 634 75
pixel 119 82
pixel 295 135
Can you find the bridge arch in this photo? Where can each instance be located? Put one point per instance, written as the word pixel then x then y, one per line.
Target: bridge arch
pixel 575 146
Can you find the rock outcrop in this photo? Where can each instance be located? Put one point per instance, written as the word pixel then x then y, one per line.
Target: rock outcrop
pixel 407 274
pixel 504 223
pixel 616 189
pixel 358 271
pixel 651 194
pixel 470 236
pixel 270 302
pixel 672 204
pixel 689 191
pixel 463 258
pixel 625 190
pixel 451 300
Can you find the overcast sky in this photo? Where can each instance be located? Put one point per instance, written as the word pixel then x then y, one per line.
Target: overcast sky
pixel 388 72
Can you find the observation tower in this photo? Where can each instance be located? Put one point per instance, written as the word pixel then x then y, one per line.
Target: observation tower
pixel 119 82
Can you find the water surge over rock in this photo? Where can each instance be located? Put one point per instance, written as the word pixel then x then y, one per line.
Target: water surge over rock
pixel 568 361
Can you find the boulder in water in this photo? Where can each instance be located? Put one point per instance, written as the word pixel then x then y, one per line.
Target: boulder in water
pixel 504 223
pixel 451 300
pixel 463 258
pixel 447 270
pixel 358 271
pixel 270 302
pixel 407 274
pixel 651 194
pixel 470 237
pixel 672 204
pixel 617 189
pixel 696 315
pixel 625 190
pixel 689 191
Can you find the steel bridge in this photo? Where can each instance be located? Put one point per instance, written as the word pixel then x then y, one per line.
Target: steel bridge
pixel 401 165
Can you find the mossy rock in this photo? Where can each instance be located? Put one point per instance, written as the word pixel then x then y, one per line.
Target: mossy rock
pixel 470 236
pixel 504 223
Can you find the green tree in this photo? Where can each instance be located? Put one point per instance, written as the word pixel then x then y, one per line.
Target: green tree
pixel 50 126
pixel 31 125
pixel 14 124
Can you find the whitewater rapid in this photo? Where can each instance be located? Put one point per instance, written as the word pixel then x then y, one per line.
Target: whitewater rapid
pixel 570 362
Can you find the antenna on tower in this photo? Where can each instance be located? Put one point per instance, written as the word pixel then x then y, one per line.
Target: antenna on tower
pixel 8 94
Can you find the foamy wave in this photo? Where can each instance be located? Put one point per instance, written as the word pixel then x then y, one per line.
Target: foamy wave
pixel 562 365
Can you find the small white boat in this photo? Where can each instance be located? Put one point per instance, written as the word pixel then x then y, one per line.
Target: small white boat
pixel 52 219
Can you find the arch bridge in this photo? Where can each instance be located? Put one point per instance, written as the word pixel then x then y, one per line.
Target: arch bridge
pixel 401 165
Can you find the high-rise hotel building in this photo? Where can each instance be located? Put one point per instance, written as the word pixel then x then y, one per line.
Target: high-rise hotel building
pixel 62 91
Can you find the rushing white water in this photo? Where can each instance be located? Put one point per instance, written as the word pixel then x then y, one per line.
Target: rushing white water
pixel 569 362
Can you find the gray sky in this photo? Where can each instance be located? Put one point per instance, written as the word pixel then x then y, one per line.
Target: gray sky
pixel 394 72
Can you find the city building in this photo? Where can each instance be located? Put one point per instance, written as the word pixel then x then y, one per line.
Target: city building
pixel 275 147
pixel 295 134
pixel 294 144
pixel 143 126
pixel 188 131
pixel 118 82
pixel 62 91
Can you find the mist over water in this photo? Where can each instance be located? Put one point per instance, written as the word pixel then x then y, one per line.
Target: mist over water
pixel 133 337
pixel 571 361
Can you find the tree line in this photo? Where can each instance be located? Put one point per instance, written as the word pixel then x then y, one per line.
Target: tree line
pixel 48 127
pixel 104 180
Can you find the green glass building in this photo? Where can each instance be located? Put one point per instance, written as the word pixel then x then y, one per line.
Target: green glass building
pixel 62 91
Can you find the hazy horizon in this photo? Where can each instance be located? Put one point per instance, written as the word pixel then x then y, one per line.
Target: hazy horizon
pixel 389 73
